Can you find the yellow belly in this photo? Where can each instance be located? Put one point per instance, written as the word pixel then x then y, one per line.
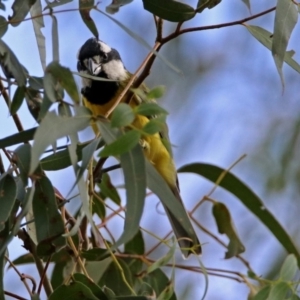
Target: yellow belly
pixel 154 149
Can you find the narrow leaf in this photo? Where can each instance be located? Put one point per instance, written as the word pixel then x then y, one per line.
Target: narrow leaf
pixel 17 99
pixel 20 10
pixel 170 10
pixel 56 3
pixel 53 127
pixel 108 190
pixel 225 226
pixel 85 7
pixel 123 144
pixel 48 221
pixel 202 4
pixel 163 260
pixel 55 42
pixel 285 20
pixel 8 193
pixel 115 6
pixel 289 268
pixel 235 186
pixel 3 26
pixel 17 138
pixel 9 60
pixel 133 165
pixel 22 160
pixel 65 78
pixel 38 23
pixel 264 37
pixel 75 291
pixel 96 290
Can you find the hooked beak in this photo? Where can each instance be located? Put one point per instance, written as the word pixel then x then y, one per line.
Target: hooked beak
pixel 93 67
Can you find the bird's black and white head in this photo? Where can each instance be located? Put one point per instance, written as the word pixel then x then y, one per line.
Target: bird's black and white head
pixel 98 59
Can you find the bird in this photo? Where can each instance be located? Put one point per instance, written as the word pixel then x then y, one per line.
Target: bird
pixel 98 59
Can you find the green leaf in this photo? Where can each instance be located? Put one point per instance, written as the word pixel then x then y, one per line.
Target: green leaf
pixel 55 3
pixel 74 291
pixel 38 23
pixel 122 115
pixel 65 78
pixel 61 159
pixel 247 3
pixel 113 279
pixel 8 193
pixel 263 293
pixel 36 83
pixel 202 4
pixel 53 127
pixel 17 138
pixel 149 109
pixel 48 221
pixel 108 190
pixel 133 165
pixel 136 245
pixel 17 99
pixel 34 102
pixel 159 282
pixel 264 37
pixel 96 290
pixel 123 144
pixel 9 60
pixel 85 7
pixel 95 254
pixel 163 260
pixel 285 20
pixel 153 126
pixel 98 207
pixel 279 291
pixel 235 186
pixel 170 10
pixel 3 26
pixel 55 41
pixel 156 92
pixel 115 5
pixel 20 10
pixel 22 159
pixel 225 226
pixel 87 154
pixel 289 268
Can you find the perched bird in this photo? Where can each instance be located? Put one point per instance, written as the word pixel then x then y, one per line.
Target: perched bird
pixel 98 59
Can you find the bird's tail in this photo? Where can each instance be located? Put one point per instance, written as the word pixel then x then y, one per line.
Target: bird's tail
pixel 188 241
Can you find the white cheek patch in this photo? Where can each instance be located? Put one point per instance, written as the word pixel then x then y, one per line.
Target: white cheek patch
pixel 104 47
pixel 115 70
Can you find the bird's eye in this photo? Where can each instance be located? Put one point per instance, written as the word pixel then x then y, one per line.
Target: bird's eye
pixel 105 56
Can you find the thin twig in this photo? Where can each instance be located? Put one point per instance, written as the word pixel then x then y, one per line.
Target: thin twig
pixel 19 274
pixel 216 26
pixel 8 102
